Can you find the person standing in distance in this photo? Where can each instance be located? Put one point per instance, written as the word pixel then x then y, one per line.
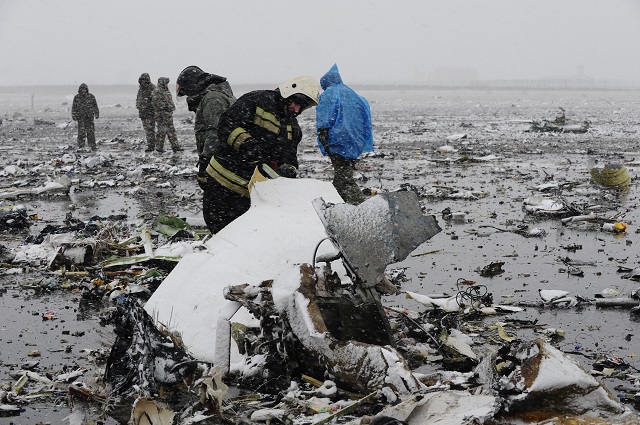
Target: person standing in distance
pixel 343 123
pixel 260 132
pixel 84 109
pixel 163 108
pixel 144 104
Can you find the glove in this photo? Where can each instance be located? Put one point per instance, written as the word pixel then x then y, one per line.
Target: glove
pixel 202 177
pixel 287 170
pixel 323 136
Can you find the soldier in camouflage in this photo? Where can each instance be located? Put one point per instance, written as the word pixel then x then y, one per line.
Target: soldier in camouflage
pixel 163 107
pixel 83 110
pixel 145 109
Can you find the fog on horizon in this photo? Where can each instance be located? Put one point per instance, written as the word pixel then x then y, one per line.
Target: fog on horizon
pixel 373 42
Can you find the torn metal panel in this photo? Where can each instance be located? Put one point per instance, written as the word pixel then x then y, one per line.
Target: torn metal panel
pixel 550 381
pixel 348 320
pixel 62 184
pixel 142 357
pixel 80 252
pixel 443 407
pixel 358 366
pixel 380 231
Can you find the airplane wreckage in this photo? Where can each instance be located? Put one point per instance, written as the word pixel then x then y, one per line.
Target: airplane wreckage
pixel 278 318
pixel 559 125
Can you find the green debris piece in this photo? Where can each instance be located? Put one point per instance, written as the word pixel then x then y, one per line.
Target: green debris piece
pixel 149 274
pixel 128 242
pixel 169 225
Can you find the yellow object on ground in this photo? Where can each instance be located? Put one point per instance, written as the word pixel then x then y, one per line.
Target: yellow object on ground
pixel 612 175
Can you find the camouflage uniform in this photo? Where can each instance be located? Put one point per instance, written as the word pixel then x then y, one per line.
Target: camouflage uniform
pixel 145 109
pixel 84 109
pixel 163 107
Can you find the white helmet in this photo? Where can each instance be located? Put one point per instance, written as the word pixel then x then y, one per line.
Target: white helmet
pixel 305 85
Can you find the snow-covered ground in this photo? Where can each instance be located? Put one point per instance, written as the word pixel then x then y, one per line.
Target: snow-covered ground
pixel 467 152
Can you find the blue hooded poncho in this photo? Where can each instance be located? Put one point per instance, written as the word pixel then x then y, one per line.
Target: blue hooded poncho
pixel 347 116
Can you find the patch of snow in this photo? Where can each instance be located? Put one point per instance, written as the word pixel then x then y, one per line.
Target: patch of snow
pixel 278 233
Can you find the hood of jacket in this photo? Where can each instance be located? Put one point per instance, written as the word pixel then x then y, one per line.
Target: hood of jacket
pixel 332 77
pixel 193 81
pixel 221 87
pixel 83 86
pixel 163 82
pixel 144 78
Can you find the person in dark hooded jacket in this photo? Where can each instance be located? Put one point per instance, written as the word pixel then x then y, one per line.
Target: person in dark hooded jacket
pixel 343 122
pixel 208 95
pixel 84 110
pixel 144 104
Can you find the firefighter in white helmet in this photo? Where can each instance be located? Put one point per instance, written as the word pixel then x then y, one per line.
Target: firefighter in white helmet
pixel 259 131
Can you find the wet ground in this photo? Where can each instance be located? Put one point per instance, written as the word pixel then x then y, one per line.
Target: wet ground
pixel 410 129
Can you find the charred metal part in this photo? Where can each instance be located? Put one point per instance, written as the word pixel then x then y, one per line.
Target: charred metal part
pixel 347 339
pixel 142 356
pixel 492 269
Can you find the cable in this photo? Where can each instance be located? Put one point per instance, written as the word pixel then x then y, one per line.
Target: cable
pixel 418 325
pixel 315 251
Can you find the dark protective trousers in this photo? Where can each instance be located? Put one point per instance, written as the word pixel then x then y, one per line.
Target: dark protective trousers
pixel 220 206
pixel 86 130
pixel 343 180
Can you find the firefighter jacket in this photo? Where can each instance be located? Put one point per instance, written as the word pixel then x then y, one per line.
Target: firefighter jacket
pixel 217 99
pixel 257 129
pixel 84 106
pixel 144 100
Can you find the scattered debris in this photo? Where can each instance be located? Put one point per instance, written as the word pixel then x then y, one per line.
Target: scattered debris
pixel 62 184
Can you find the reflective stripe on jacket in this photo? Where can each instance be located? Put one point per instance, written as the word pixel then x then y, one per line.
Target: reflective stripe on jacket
pixel 227 178
pixel 260 116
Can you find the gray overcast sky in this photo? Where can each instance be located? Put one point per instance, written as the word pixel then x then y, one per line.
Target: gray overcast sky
pixel 266 42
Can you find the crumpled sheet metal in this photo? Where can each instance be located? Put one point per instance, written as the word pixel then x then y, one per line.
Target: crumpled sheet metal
pixel 382 230
pixel 364 367
pixel 553 382
pixel 63 184
pixel 446 407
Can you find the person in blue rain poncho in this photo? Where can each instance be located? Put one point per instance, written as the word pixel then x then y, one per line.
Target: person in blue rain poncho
pixel 343 122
